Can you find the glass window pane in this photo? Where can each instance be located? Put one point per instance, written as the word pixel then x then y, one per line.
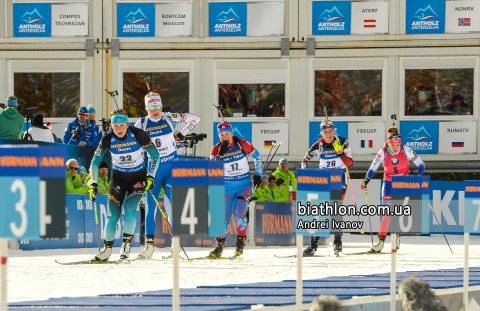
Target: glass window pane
pixel 57 94
pixel 348 92
pixel 173 88
pixel 252 100
pixel 439 92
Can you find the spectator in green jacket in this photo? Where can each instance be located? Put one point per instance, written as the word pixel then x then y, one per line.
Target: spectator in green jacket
pixel 74 185
pixel 289 177
pixel 263 193
pixel 278 192
pixel 11 121
pixel 102 178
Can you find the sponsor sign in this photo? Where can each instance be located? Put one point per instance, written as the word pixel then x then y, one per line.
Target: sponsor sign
pixel 314 133
pixel 421 136
pixel 173 19
pixel 265 134
pixel 369 18
pixel 366 137
pixel 273 224
pixel 70 20
pixel 32 20
pixel 240 129
pixel 462 16
pixel 266 19
pixel 227 19
pixel 457 137
pixel 331 17
pixel 425 16
pixel 135 19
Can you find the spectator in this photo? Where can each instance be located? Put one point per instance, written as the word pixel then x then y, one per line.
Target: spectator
pixel 278 192
pixel 263 193
pixel 96 132
pixel 416 294
pixel 289 177
pixel 79 131
pixel 102 178
pixel 11 121
pixel 326 303
pixel 82 172
pixel 38 131
pixel 74 184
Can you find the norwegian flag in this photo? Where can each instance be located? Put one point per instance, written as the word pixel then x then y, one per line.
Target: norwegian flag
pixel 369 23
pixel 464 22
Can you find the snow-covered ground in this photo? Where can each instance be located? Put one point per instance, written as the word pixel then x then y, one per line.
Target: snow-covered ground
pixel 34 275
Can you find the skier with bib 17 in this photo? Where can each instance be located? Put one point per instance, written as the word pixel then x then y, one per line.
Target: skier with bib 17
pixel 334 152
pixel 238 182
pixel 394 156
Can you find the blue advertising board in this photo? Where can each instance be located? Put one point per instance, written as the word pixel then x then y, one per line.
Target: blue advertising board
pixel 240 129
pixel 472 206
pixel 227 19
pixel 32 20
pixel 425 16
pixel 314 130
pixel 331 17
pixel 421 136
pixel 135 19
pixel 273 225
pixel 448 202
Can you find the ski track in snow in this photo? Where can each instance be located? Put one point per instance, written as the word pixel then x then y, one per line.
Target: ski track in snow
pixel 34 275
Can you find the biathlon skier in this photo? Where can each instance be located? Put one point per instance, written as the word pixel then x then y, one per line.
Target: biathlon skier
pixel 333 152
pixel 160 127
pixel 238 182
pixel 394 157
pixel 129 178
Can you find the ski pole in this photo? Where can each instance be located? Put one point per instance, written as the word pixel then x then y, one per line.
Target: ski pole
pixel 96 222
pixel 440 226
pixel 369 220
pixel 353 195
pixel 169 226
pixel 266 166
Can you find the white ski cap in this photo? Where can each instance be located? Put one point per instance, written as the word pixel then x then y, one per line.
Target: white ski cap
pixel 153 101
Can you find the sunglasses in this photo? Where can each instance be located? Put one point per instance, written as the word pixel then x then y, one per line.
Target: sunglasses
pixel 83 114
pixel 120 111
pixel 224 126
pixel 395 137
pixel 271 181
pixel 73 168
pixel 154 108
pixel 91 114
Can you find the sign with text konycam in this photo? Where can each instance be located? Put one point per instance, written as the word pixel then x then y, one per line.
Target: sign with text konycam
pixel 70 20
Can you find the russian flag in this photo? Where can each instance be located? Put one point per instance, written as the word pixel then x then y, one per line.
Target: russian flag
pixel 458 144
pixel 370 143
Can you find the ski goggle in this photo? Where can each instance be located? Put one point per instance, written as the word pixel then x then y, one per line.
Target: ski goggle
pixel 154 108
pixel 326 125
pixel 120 111
pixel 91 114
pixel 395 139
pixel 224 127
pixel 83 114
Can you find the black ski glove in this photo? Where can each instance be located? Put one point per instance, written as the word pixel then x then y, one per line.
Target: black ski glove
pixel 179 136
pixel 257 180
pixel 224 146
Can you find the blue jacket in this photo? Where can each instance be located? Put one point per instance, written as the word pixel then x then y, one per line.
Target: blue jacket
pixel 97 133
pixel 87 135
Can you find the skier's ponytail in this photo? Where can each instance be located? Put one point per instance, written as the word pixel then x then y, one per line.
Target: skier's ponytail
pixel 392 131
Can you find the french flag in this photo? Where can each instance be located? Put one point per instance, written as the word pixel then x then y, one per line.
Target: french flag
pixel 370 143
pixel 457 144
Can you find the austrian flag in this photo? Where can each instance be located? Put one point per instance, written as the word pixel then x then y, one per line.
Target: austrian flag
pixel 369 23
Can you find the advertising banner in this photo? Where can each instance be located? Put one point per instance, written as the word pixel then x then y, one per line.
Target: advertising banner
pixel 462 16
pixel 240 129
pixel 421 136
pixel 314 130
pixel 331 17
pixel 366 137
pixel 32 20
pixel 70 20
pixel 173 19
pixel 266 136
pixel 135 19
pixel 273 225
pixel 425 16
pixel 266 19
pixel 227 19
pixel 457 137
pixel 369 18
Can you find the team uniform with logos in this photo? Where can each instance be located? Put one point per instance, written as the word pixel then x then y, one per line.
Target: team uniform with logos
pixel 128 174
pixel 83 132
pixel 238 182
pixel 161 132
pixel 393 164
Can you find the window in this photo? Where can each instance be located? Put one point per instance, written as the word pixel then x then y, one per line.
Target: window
pixel 173 88
pixel 348 92
pixel 439 91
pixel 252 100
pixel 56 94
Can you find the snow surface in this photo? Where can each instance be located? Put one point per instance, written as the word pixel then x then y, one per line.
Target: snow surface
pixel 34 275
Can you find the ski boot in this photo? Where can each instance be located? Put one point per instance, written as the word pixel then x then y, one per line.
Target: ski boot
pixel 105 252
pixel 126 246
pixel 379 246
pixel 147 251
pixel 312 247
pixel 337 244
pixel 218 251
pixel 398 241
pixel 240 246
